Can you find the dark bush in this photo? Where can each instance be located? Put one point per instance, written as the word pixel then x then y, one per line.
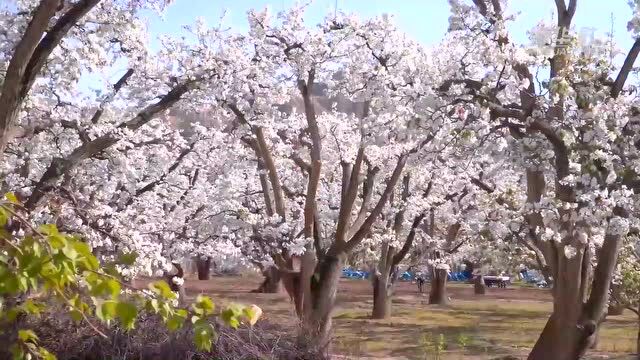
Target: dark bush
pixel 150 340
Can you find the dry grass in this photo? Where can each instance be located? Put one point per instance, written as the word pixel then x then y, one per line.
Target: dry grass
pixel 503 322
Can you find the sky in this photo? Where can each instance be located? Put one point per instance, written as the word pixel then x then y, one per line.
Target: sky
pixel 423 20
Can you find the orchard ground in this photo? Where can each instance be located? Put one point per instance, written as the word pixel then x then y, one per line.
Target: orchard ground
pixel 504 322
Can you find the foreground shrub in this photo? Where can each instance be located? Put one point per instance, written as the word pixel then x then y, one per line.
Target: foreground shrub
pixel 150 340
pixel 41 266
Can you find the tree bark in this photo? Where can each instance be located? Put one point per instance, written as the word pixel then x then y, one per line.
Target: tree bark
pixel 479 287
pixel 562 339
pixel 14 77
pixel 381 297
pixel 291 282
pixel 271 283
pixel 317 324
pixel 573 325
pixel 638 337
pixel 204 268
pixel 438 292
pixel 175 287
pixel 615 308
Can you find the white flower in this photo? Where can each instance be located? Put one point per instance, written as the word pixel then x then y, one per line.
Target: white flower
pixel 570 251
pixel 177 280
pixel 618 226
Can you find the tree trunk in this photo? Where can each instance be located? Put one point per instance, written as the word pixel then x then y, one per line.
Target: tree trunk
pixel 479 287
pixel 381 297
pixel 179 288
pixel 204 268
pixel 271 283
pixel 438 293
pixel 573 325
pixel 638 337
pixel 291 282
pixel 615 309
pixel 324 286
pixel 563 339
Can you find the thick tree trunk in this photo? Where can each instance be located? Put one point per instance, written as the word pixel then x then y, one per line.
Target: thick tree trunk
pixel 324 286
pixel 479 287
pixel 271 283
pixel 572 327
pixel 638 340
pixel 638 337
pixel 204 268
pixel 563 339
pixel 438 293
pixel 291 282
pixel 381 297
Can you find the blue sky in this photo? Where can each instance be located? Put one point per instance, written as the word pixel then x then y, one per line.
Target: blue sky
pixel 424 20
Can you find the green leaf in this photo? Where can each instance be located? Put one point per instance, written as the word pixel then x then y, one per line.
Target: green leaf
pixel 31 307
pixel 203 337
pixel 153 305
pixel 4 218
pixel 75 315
pixel 203 305
pixel 106 311
pixel 83 249
pixel 162 289
pixel 27 336
pixel 110 269
pixel 11 314
pixel 252 313
pixel 230 317
pixel 57 241
pixel 12 198
pixel 69 251
pixel 46 355
pixel 127 313
pixel 175 322
pixel 48 229
pixel 9 284
pixel 128 259
pixel 112 287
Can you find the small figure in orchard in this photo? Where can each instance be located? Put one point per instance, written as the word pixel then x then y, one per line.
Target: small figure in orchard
pixel 420 282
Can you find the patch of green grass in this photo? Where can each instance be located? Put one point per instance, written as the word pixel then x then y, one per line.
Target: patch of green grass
pixel 488 327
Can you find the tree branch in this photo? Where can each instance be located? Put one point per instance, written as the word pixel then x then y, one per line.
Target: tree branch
pixel 12 85
pixel 625 69
pixel 364 229
pixel 61 166
pixel 409 242
pixel 349 198
pixel 52 39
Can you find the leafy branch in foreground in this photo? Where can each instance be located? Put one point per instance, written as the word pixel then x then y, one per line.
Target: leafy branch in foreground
pixel 40 264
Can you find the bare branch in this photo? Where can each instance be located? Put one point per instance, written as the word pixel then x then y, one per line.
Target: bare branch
pixel 116 88
pixel 350 197
pixel 61 166
pixel 626 69
pixel 409 242
pixel 364 229
pixel 482 7
pixel 367 194
pixel 150 186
